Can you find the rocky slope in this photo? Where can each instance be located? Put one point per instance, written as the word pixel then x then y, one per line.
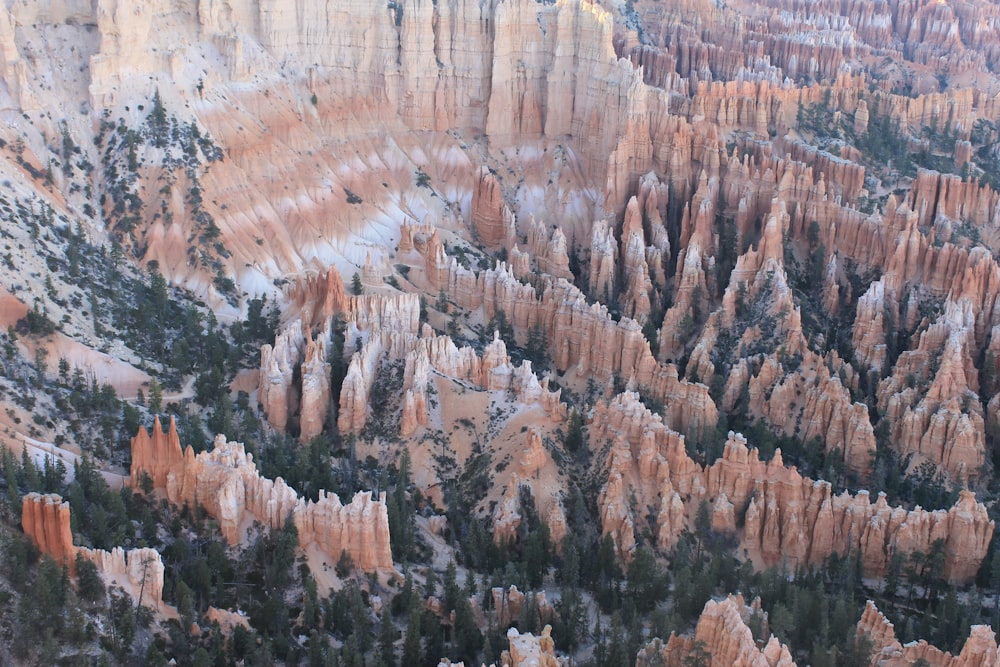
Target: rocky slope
pixel 609 267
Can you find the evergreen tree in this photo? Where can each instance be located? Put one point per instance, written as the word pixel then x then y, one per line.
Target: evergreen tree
pixel 411 645
pixel 467 637
pixel 90 586
pixel 387 640
pixel 155 397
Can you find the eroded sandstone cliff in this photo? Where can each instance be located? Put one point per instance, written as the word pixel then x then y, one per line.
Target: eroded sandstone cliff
pixel 225 483
pixel 46 521
pixel 722 637
pixel 784 519
pixel 979 649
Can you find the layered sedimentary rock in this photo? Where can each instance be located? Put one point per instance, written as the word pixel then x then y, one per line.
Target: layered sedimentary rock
pixel 803 523
pixel 276 395
pixel 46 521
pixel 788 520
pixel 870 328
pixel 584 337
pixel 308 401
pixel 358 382
pixel 225 482
pixel 493 371
pixel 492 220
pixel 930 400
pixel 723 638
pixel 155 455
pixel 813 402
pixel 526 107
pixel 549 250
pixel 603 261
pixel 315 390
pixel 319 297
pixel 979 649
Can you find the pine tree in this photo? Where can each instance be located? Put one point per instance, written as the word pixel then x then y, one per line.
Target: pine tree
pixel 157 121
pixel 387 640
pixel 155 397
pixel 451 590
pixel 411 645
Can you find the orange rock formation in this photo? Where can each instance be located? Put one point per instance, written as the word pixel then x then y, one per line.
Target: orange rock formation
pixel 789 520
pixel 225 482
pixel 46 521
pixel 526 650
pixel 157 455
pixel 725 638
pixel 979 649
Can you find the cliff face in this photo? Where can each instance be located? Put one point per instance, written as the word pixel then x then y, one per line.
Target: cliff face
pixel 788 520
pixel 225 482
pixel 277 367
pixel 46 521
pixel 315 390
pixel 380 77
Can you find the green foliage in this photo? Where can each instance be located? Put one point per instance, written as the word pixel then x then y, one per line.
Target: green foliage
pixel 157 123
pixel 537 349
pixel 97 512
pixel 402 512
pixel 646 582
pixel 35 323
pixel 574 431
pixel 90 586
